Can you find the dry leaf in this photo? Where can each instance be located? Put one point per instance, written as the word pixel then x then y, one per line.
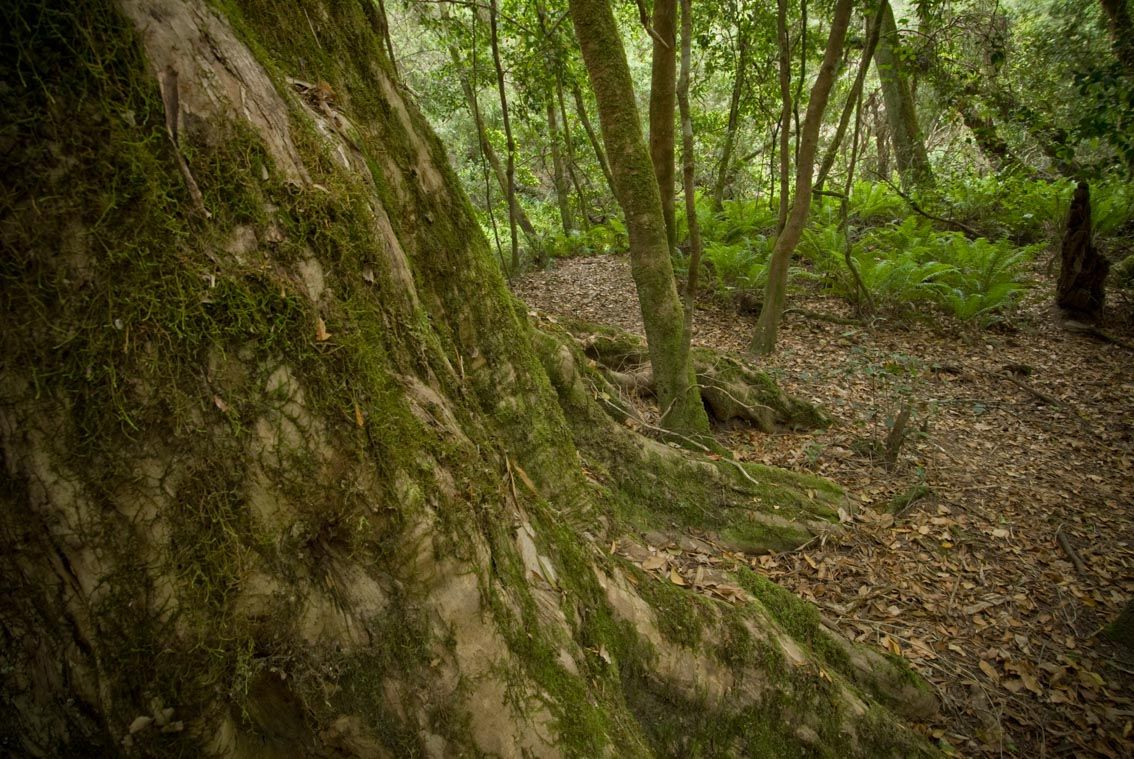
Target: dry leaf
pixel 989 670
pixel 654 562
pixel 676 578
pixel 219 402
pixel 321 333
pixel 358 420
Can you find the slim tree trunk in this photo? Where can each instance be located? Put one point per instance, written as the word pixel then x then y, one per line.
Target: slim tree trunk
pixel 802 71
pixel 785 115
pixel 558 174
pixel 592 136
pixel 663 91
pixel 724 168
pixel 854 99
pixel 909 144
pixel 569 146
pixel 511 166
pixel 764 338
pixel 489 152
pixel 637 192
pixel 881 136
pixel 688 169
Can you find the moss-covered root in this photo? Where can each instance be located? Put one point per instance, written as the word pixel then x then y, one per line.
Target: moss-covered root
pixel 732 389
pixel 752 507
pixel 734 680
pixel 889 680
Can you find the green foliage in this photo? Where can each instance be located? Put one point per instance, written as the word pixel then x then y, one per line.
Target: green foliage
pixel 601 239
pixel 911 263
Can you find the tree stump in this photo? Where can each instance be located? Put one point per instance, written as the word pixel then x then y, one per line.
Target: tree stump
pixel 1082 274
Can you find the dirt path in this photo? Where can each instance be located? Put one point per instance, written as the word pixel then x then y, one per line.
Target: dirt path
pixel 1025 440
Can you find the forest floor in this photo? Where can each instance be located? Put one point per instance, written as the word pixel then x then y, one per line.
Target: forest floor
pixel 996 584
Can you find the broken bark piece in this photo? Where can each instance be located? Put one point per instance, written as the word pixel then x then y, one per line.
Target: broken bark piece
pixel 1082 273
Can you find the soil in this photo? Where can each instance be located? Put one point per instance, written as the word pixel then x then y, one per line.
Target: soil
pixel 997 581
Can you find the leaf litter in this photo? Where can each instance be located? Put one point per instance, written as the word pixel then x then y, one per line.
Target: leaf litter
pixel 989 553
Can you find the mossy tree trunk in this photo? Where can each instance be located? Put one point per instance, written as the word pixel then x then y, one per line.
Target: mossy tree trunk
pixel 663 83
pixel 637 191
pixel 901 111
pixel 767 326
pixel 292 476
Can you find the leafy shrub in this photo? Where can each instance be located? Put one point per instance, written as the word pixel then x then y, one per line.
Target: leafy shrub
pixel 911 263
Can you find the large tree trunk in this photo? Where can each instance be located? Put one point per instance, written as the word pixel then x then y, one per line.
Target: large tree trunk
pixel 637 192
pixel 663 91
pixel 294 478
pixel 901 113
pixel 764 337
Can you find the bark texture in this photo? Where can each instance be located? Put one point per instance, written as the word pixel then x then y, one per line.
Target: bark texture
pixel 294 479
pixel 854 99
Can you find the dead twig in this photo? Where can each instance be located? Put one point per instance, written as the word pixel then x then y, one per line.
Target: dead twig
pixel 1068 549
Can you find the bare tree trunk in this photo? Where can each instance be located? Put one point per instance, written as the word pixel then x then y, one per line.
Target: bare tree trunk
pixel 764 338
pixel 592 137
pixel 569 145
pixel 785 114
pixel 510 171
pixel 558 174
pixel 688 170
pixel 881 136
pixel 663 76
pixel 802 72
pixel 637 192
pixel 901 113
pixel 854 100
pixel 724 168
pixel 489 152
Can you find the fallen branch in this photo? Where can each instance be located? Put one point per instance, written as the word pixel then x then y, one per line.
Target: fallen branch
pixel 1068 549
